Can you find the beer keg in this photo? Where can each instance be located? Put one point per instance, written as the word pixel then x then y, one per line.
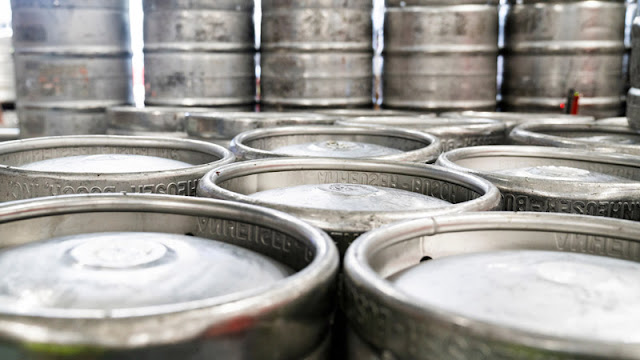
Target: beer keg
pixel 513 119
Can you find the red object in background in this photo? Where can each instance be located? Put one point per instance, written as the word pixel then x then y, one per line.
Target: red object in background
pixel 575 103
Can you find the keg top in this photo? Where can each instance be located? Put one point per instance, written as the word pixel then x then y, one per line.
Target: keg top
pixel 512 119
pixel 106 164
pixel 371 113
pixel 549 293
pixel 72 4
pixel 552 291
pixel 436 125
pixel 150 118
pixel 336 141
pixel 102 272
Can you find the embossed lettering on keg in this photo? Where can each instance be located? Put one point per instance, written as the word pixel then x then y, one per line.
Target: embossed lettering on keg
pixel 222 127
pixel 513 119
pixel 593 137
pixel 555 259
pixel 105 164
pixel 546 179
pixel 453 133
pixel 337 142
pixel 553 47
pixel 440 55
pixel 244 278
pixel 7 72
pixel 347 197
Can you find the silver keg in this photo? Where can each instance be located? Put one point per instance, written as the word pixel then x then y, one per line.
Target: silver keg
pixel 633 96
pixel 347 197
pixel 7 72
pixel 547 179
pixel 337 142
pixel 222 127
pixel 150 120
pixel 105 164
pixel 517 286
pixel 440 55
pixel 117 278
pixel 594 137
pixel 552 47
pixel 199 53
pixel 350 113
pixel 316 53
pixel 453 133
pixel 64 66
pixel 513 119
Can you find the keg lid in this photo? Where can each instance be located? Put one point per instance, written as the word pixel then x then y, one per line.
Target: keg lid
pixel 602 138
pixel 371 113
pixel 512 119
pixel 106 164
pixel 125 270
pixel 150 118
pixel 435 125
pixel 337 142
pixel 497 285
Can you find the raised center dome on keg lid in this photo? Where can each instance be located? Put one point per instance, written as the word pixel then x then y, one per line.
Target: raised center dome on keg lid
pixel 104 272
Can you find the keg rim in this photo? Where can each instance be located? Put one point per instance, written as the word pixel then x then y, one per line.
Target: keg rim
pixel 345 220
pixel 215 311
pixel 509 115
pixel 437 125
pixel 543 187
pixel 355 112
pixel 44 143
pixel 369 283
pixel 427 153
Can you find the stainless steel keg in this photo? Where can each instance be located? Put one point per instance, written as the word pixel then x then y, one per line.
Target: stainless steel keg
pixel 552 47
pixel 316 53
pixel 65 67
pixel 7 72
pixel 105 164
pixel 546 179
pixel 337 142
pixel 221 128
pixel 440 55
pixel 453 133
pixel 117 278
pixel 513 119
pixel 199 53
pixel 349 113
pixel 150 120
pixel 633 96
pixel 347 197
pixel 536 286
pixel 602 138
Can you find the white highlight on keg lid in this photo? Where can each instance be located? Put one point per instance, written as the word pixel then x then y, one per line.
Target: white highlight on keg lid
pixel 126 270
pixel 337 148
pixel 350 197
pixel 106 163
pixel 562 173
pixel 550 293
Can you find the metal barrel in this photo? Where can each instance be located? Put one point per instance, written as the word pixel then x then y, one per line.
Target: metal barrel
pixel 350 113
pixel 222 127
pixel 547 179
pixel 594 137
pixel 316 53
pixel 633 96
pixel 347 197
pixel 551 48
pixel 391 319
pixel 453 133
pixel 440 55
pixel 66 165
pixel 64 66
pixel 337 142
pixel 199 53
pixel 7 72
pixel 247 275
pixel 513 119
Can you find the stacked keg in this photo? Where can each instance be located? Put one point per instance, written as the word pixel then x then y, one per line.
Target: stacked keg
pixel 199 53
pixel 72 60
pixel 440 55
pixel 553 47
pixel 316 53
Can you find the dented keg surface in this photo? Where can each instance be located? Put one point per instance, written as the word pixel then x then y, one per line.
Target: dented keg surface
pixel 199 53
pixel 337 142
pixel 223 127
pixel 583 271
pixel 7 72
pixel 553 47
pixel 453 133
pixel 105 164
pixel 61 27
pixel 349 113
pixel 594 137
pixel 316 53
pixel 441 55
pixel 546 179
pixel 150 120
pixel 39 122
pixel 513 119
pixel 247 277
pixel 347 197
